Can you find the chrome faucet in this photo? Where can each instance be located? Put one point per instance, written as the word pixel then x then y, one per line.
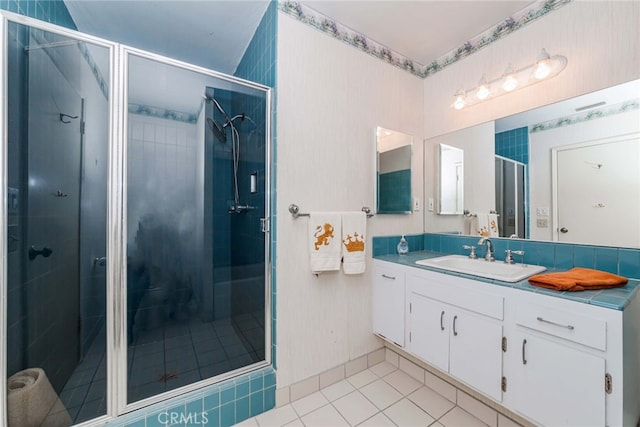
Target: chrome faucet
pixel 489 254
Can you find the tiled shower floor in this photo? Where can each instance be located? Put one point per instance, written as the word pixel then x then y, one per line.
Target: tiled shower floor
pixel 165 358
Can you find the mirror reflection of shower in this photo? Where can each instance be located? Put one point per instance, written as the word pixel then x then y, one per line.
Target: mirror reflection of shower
pixel 220 133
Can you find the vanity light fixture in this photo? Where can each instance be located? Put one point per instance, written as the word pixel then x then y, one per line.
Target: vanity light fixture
pixel 483 91
pixel 544 67
pixel 509 81
pixel 459 103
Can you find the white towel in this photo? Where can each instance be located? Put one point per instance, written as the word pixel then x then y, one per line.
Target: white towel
pixel 492 220
pixel 481 225
pixel 324 241
pixel 354 232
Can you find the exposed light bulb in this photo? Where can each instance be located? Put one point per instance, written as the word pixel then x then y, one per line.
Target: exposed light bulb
pixel 459 103
pixel 543 66
pixel 510 81
pixel 483 88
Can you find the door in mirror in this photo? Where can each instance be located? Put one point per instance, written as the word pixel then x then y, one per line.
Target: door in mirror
pixel 451 180
pixel 393 172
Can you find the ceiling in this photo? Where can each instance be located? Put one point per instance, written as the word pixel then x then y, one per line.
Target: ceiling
pixel 215 33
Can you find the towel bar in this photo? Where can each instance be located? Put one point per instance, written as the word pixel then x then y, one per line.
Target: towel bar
pixel 469 214
pixel 295 211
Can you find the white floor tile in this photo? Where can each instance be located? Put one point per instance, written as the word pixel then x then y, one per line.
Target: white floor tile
pixel 310 403
pixel 431 402
pixel 457 417
pixel 403 382
pixel 277 417
pixel 295 423
pixel 355 408
pixel 382 369
pixel 251 422
pixel 406 413
pixel 379 420
pixel 327 416
pixel 362 378
pixel 337 390
pixel 381 394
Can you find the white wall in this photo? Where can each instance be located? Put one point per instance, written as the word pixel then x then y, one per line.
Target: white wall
pixel 331 97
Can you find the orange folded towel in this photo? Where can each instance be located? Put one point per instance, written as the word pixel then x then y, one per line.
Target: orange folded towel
pixel 578 279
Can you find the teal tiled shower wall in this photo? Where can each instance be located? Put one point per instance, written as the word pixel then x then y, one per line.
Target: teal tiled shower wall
pixel 513 144
pixel 219 405
pixel 622 261
pixel 258 64
pixel 52 11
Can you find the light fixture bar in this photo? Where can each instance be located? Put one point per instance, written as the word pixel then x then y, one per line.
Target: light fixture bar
pixel 511 80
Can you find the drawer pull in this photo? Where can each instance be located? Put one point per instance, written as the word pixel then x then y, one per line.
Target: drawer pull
pixel 389 277
pixel 524 359
pixel 455 333
pixel 441 321
pixel 569 327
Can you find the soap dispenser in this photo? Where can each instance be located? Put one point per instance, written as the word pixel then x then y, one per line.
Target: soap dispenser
pixel 403 246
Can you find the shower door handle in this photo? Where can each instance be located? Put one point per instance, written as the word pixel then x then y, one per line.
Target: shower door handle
pixel 33 252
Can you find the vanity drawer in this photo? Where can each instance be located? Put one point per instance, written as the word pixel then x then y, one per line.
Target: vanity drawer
pixel 564 324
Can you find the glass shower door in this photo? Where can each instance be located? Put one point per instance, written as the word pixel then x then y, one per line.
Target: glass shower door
pixel 195 250
pixel 57 139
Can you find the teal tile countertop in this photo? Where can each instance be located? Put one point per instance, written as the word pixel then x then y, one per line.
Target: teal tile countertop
pixel 616 298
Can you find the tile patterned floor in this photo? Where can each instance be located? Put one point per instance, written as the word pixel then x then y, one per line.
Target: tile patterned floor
pixel 174 354
pixel 382 395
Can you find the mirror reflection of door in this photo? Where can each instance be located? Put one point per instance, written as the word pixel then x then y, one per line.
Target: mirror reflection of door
pixel 451 180
pixel 510 197
pixel 598 192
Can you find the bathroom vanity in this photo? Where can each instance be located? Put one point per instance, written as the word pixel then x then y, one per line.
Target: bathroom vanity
pixel 555 358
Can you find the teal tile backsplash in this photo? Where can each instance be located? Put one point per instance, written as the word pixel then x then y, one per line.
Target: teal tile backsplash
pixel 561 256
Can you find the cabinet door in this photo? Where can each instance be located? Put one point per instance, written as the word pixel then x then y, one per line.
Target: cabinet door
pixel 558 385
pixel 388 304
pixel 475 352
pixel 429 330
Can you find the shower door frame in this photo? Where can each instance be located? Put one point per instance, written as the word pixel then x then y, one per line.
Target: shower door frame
pixel 116 270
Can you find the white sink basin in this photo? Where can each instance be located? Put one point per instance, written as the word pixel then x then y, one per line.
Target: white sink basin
pixel 497 270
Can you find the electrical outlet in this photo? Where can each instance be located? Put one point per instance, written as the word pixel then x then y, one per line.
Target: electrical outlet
pixel 430 205
pixel 542 211
pixel 542 223
pixel 416 204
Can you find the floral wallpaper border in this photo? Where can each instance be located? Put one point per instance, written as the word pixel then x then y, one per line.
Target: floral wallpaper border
pixel 599 113
pixel 343 33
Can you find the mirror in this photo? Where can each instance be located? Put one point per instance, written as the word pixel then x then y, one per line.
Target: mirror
pixel 451 180
pixel 561 148
pixel 393 172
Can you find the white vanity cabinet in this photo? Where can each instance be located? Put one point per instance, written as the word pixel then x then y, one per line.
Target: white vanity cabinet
pixel 388 302
pixel 568 363
pixel 554 361
pixel 449 323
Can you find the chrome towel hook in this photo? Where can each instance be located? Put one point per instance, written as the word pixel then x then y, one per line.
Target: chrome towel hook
pixel 62 118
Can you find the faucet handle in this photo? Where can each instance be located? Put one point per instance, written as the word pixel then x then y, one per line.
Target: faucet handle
pixel 508 259
pixel 472 254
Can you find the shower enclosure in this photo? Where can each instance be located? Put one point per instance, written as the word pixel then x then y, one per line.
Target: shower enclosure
pixel 135 229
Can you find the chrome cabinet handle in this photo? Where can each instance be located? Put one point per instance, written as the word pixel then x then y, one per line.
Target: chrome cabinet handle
pixel 569 327
pixel 441 321
pixel 524 359
pixel 455 333
pixel 388 277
